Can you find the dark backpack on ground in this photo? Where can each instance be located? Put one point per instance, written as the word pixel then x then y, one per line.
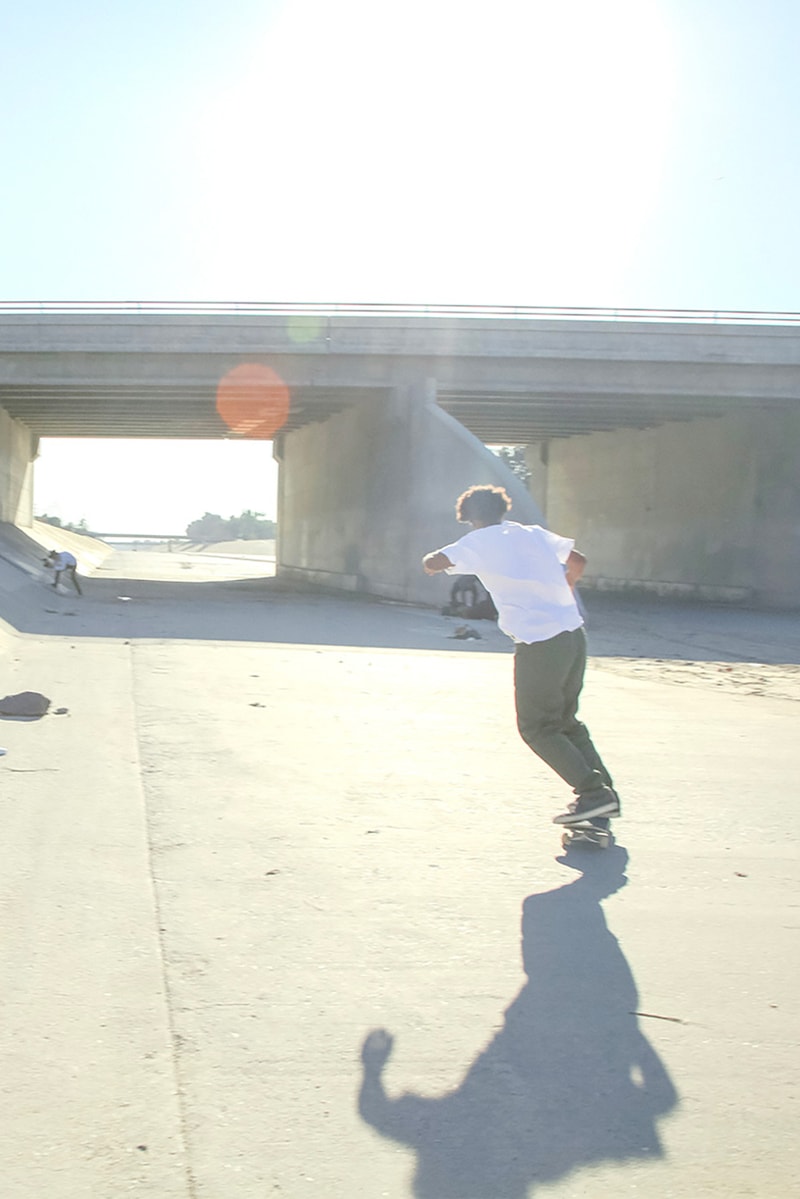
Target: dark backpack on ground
pixel 469 598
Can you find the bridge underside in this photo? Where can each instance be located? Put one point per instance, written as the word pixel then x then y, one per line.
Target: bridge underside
pixel 147 410
pixel 167 407
pixel 176 410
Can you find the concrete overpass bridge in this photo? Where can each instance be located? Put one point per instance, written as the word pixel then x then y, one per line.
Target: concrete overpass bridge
pixel 665 441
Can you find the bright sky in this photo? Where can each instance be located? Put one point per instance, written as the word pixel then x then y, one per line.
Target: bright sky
pixel 633 153
pixel 152 486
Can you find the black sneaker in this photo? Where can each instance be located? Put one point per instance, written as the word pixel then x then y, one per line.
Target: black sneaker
pixel 602 802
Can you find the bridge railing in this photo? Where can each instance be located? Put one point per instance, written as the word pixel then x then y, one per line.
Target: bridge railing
pixel 312 308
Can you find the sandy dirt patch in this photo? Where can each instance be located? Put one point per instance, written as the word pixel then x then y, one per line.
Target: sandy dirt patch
pixel 735 650
pixel 746 678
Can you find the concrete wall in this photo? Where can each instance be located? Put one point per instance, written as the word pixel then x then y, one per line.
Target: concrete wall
pixel 706 508
pixel 365 494
pixel 18 448
pixel 776 516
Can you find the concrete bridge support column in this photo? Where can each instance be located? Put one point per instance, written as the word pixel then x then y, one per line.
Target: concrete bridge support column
pixel 706 509
pixel 18 449
pixel 364 494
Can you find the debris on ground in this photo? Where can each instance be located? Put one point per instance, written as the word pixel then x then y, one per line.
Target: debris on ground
pixel 26 705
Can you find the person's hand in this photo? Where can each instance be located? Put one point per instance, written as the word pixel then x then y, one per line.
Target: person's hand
pixel 377 1048
pixel 434 564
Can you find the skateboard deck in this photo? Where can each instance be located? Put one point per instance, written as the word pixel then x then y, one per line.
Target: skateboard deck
pixel 588 832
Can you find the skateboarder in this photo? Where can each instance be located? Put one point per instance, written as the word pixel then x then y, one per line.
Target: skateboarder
pixel 530 574
pixel 66 564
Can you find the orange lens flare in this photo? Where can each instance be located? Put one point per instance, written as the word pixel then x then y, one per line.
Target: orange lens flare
pixel 253 401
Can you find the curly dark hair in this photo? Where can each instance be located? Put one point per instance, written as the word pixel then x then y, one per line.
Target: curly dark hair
pixel 484 503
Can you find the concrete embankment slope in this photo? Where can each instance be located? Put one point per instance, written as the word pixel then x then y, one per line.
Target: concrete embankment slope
pixel 89 552
pixel 264 548
pixel 25 548
pixel 23 576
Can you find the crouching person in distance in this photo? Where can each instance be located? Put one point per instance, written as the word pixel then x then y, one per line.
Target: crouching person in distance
pixel 63 563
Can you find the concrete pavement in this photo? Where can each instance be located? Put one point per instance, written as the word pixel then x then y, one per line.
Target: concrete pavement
pixel 269 825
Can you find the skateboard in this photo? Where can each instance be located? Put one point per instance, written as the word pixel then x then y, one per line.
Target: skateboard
pixel 588 832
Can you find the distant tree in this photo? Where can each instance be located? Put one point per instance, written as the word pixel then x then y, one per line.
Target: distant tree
pixel 68 526
pixel 254 526
pixel 210 527
pixel 248 526
pixel 251 526
pixel 514 458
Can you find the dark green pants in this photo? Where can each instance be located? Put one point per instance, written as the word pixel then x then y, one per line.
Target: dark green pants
pixel 548 677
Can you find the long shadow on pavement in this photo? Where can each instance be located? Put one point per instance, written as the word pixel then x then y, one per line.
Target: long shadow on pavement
pixel 245 610
pixel 570 1080
pixel 263 610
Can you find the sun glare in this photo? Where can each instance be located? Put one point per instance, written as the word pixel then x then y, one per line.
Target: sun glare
pixel 440 145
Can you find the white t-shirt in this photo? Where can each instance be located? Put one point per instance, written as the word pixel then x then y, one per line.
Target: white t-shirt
pixel 522 568
pixel 65 558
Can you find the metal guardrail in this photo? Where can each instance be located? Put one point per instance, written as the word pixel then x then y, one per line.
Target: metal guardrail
pixel 312 309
